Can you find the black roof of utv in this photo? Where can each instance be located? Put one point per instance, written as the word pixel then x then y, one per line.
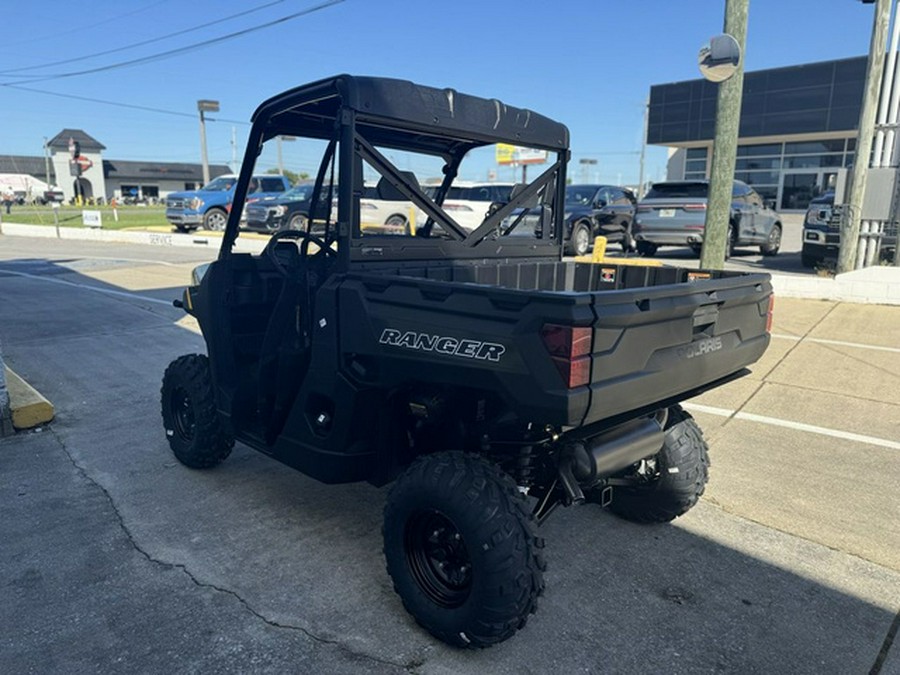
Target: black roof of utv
pixel 400 113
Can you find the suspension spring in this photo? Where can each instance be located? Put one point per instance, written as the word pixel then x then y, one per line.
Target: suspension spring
pixel 524 472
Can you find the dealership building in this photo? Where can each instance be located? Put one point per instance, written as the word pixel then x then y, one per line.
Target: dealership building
pixel 798 127
pixel 93 176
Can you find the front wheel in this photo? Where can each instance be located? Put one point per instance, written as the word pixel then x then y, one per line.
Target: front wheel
pixel 193 426
pixel 669 484
pixel 810 261
pixel 580 242
pixel 462 549
pixel 298 222
pixel 729 242
pixel 215 219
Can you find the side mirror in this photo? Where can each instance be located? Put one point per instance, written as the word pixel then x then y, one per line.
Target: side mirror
pixel 600 203
pixel 770 203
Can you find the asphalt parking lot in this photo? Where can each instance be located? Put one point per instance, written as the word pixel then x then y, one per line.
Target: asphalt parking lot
pixel 116 558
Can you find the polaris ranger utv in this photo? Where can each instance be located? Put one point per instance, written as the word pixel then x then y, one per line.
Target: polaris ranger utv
pixel 486 377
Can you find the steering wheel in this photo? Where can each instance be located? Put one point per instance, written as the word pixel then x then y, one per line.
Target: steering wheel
pixel 324 251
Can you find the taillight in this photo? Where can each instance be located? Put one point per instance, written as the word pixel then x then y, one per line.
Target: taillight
pixel 570 349
pixel 701 206
pixel 769 313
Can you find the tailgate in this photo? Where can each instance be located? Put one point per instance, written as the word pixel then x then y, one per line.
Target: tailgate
pixel 657 344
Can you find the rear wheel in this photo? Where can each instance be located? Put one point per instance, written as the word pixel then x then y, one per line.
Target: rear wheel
pixel 646 249
pixel 462 549
pixel 397 221
pixel 193 426
pixel 671 483
pixel 773 243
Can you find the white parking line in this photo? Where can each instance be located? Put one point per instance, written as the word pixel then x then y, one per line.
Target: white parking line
pixel 798 426
pixel 840 343
pixel 107 291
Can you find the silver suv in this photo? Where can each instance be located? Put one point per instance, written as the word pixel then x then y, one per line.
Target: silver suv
pixel 673 213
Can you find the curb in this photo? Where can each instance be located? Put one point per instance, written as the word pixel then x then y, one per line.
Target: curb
pixel 208 241
pixel 872 285
pixel 29 408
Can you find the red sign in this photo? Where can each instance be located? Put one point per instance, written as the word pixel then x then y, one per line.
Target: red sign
pixel 84 162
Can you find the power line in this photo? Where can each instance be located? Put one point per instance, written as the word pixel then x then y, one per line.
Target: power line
pixel 123 105
pixel 181 50
pixel 77 29
pixel 140 44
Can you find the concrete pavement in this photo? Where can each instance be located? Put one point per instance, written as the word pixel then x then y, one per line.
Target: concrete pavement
pixel 119 559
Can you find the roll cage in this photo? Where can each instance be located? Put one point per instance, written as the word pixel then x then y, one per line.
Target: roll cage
pixel 359 116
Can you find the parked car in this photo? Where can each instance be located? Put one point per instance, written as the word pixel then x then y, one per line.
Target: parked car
pixel 288 210
pixel 385 210
pixel 594 210
pixel 673 213
pixel 51 195
pixel 209 206
pixel 822 233
pixel 468 203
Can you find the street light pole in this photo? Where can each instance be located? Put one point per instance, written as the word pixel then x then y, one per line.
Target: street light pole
pixel 205 105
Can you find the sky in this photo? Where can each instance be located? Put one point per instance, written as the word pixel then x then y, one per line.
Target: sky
pixel 587 63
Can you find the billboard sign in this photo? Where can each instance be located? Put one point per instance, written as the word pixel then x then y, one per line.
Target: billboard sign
pixel 512 154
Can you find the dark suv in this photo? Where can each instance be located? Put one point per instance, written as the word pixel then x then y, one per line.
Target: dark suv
pixel 822 233
pixel 595 210
pixel 286 211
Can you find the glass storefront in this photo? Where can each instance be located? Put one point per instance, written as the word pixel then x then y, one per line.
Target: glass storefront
pixel 789 174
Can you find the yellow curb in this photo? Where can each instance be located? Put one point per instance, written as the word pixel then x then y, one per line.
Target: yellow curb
pixel 599 257
pixel 29 408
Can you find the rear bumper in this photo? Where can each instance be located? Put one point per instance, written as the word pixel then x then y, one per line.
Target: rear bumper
pixel 670 238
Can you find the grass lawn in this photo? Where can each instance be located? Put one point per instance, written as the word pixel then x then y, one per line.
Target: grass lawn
pixel 70 216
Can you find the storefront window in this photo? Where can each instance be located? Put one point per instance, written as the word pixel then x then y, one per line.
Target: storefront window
pixel 750 163
pixel 807 161
pixel 755 150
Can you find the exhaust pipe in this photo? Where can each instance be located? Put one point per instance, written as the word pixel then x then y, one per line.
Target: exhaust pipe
pixel 583 463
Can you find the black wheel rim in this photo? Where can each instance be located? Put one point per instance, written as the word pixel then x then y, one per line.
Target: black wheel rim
pixel 182 413
pixel 438 559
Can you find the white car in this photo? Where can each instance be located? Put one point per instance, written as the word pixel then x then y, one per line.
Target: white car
pixel 387 216
pixel 468 202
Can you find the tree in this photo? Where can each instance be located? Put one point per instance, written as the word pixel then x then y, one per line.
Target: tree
pixel 290 175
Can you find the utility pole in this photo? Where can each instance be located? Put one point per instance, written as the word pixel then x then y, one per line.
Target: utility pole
pixel 234 165
pixel 728 119
pixel 643 150
pixel 874 71
pixel 46 163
